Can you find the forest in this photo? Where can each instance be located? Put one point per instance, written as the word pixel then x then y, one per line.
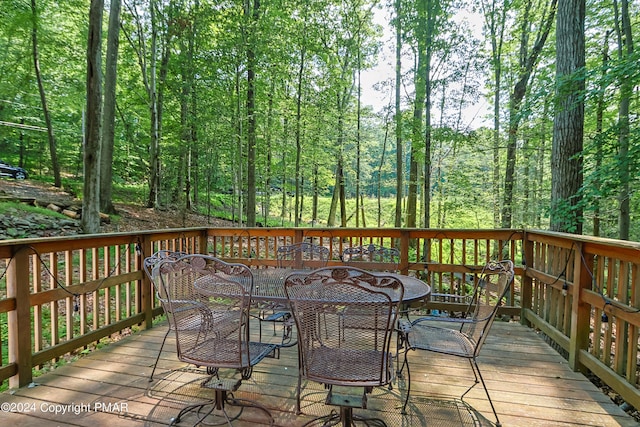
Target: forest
pixel 351 113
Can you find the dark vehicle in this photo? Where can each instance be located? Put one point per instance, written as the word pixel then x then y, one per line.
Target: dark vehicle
pixel 12 171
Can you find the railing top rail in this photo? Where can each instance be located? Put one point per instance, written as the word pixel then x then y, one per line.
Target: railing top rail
pixel 592 240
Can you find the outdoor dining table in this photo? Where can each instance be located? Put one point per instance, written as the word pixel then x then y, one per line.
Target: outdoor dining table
pixel 269 292
pixel 268 285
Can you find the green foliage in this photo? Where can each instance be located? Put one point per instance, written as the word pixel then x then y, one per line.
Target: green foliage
pixel 308 58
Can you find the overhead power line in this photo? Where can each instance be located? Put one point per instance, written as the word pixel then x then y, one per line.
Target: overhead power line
pixel 23 126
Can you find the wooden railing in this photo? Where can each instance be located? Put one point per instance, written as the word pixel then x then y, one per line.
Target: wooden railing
pixel 584 294
pixel 61 296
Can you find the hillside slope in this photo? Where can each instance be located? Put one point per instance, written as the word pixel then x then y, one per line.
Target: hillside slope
pixel 130 217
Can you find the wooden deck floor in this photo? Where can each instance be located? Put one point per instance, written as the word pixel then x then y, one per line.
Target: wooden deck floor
pixel 531 385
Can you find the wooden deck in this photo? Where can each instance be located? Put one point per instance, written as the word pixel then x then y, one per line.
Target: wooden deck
pixel 531 385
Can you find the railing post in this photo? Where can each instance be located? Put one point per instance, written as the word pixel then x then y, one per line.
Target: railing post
pixel 145 290
pixel 580 310
pixel 526 282
pixel 404 252
pixel 20 318
pixel 203 242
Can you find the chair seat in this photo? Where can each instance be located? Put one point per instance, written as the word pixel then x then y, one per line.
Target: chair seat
pixel 336 366
pixel 441 340
pixel 226 352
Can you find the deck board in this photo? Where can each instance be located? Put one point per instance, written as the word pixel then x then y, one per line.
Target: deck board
pixel 530 383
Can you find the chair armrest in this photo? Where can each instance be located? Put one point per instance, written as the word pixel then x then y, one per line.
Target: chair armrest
pixel 190 308
pixel 185 305
pixel 405 326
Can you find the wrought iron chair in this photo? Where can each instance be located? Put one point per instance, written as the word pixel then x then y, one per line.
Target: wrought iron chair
pixel 148 264
pixel 303 255
pixel 369 257
pixel 455 302
pixel 298 256
pixel 378 257
pixel 461 337
pixel 319 302
pixel 209 303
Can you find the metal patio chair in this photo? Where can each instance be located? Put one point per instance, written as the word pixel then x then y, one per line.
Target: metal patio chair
pixel 303 255
pixel 461 337
pixel 374 258
pixel 209 302
pixel 148 264
pixel 378 257
pixel 349 368
pixel 297 256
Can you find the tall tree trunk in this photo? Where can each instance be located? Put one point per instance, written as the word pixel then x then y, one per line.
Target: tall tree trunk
pixel 526 186
pixel 358 131
pixel 398 119
pixel 495 22
pixel 154 131
pixel 266 206
pixel 109 113
pixel 340 175
pixel 417 142
pixel 333 206
pixel 283 180
pixel 238 159
pixel 185 183
pixel 528 60
pixel 600 108
pixel 188 114
pixel 380 166
pixel 338 189
pixel 568 125
pixel 316 195
pixel 91 192
pixel 299 128
pixel 159 88
pixel 195 151
pixel 625 54
pixel 432 13
pixel 55 164
pixel 542 162
pixel 253 13
pixel 148 67
pixel 339 193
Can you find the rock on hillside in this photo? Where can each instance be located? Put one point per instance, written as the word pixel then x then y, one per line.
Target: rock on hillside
pixel 16 224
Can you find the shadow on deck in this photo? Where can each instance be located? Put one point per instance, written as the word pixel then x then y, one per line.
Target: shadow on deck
pixel 531 385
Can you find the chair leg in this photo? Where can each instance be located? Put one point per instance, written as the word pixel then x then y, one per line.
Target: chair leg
pixel 406 399
pixel 475 375
pixel 476 371
pixel 298 392
pixel 159 352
